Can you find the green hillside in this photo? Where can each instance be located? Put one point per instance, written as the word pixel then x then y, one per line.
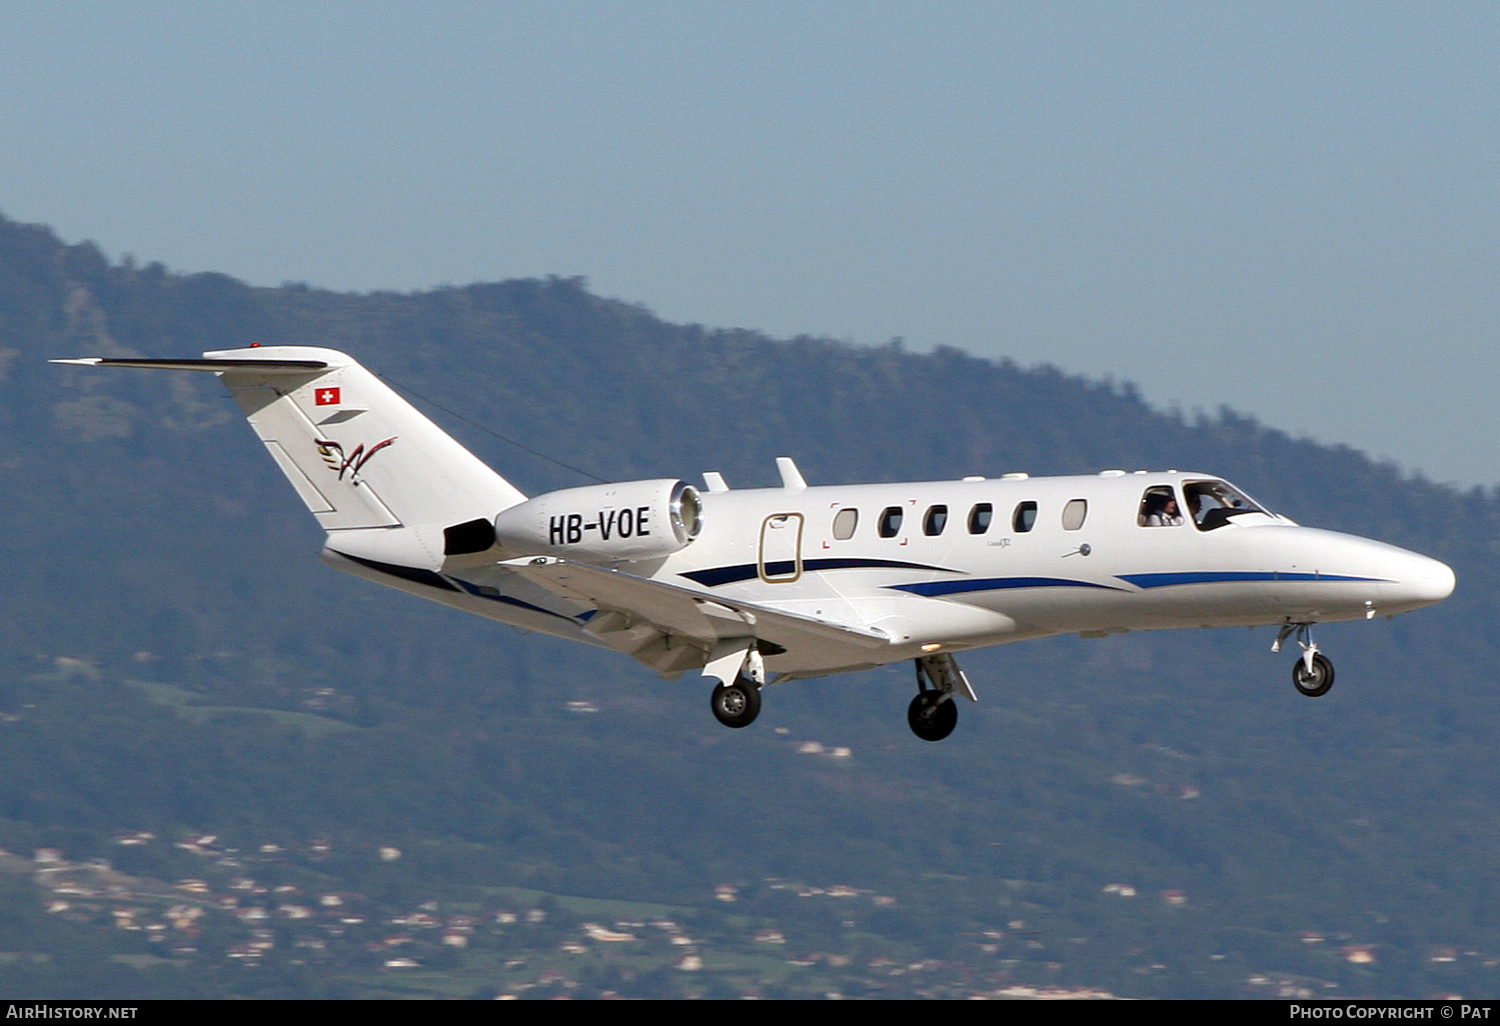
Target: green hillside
pixel 1144 815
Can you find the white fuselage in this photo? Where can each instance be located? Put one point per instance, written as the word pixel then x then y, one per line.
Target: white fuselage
pixel 811 580
pixel 960 587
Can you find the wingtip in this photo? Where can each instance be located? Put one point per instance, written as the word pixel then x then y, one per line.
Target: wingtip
pixel 81 361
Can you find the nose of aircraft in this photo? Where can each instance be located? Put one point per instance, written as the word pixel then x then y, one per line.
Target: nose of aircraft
pixel 1434 580
pixel 1397 579
pixel 1420 580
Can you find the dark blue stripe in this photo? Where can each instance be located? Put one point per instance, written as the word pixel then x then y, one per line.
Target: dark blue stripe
pixel 936 588
pixel 1224 576
pixel 715 576
pixel 718 575
pixel 484 592
pixel 407 573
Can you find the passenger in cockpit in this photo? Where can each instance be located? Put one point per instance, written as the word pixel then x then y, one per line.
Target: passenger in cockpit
pixel 1160 509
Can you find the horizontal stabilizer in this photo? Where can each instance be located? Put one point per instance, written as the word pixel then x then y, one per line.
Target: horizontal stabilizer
pixel 360 457
pixel 259 366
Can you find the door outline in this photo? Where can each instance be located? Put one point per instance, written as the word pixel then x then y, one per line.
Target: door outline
pixel 779 522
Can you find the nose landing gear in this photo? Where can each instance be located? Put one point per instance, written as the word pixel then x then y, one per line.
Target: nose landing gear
pixel 1315 680
pixel 1312 673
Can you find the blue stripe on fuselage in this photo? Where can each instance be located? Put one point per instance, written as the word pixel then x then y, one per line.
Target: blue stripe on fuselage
pixel 715 576
pixel 934 589
pixel 1169 580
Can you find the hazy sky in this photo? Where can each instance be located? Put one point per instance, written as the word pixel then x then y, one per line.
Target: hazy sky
pixel 1289 209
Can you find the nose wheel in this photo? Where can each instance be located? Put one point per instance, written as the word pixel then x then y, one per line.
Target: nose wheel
pixel 1313 681
pixel 1312 673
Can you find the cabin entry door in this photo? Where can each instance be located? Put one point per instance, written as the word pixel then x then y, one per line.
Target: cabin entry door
pixel 781 548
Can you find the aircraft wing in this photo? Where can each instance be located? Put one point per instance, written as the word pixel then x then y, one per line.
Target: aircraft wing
pixel 673 629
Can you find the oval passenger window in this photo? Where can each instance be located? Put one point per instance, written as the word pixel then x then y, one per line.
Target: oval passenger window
pixel 979 518
pixel 1024 518
pixel 890 521
pixel 844 523
pixel 937 519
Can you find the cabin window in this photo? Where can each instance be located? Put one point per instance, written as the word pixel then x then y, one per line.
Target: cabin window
pixel 980 517
pixel 1024 518
pixel 1159 508
pixel 935 520
pixel 844 523
pixel 890 522
pixel 1074 514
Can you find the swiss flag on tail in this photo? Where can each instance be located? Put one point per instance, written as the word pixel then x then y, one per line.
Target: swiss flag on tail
pixel 327 397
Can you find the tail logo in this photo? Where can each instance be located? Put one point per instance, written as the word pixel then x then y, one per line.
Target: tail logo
pixel 333 455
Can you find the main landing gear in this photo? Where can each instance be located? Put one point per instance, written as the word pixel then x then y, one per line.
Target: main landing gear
pixel 737 703
pixel 932 714
pixel 1312 673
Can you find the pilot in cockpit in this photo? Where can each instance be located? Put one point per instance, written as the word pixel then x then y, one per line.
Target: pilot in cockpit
pixel 1213 502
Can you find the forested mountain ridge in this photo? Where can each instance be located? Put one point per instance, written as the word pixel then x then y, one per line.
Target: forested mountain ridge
pixel 147 538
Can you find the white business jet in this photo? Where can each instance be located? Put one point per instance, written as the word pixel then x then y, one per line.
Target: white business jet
pixel 779 584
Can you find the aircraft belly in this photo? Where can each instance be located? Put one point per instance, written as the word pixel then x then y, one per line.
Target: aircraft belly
pixel 481 600
pixel 523 619
pixel 1064 609
pixel 1199 605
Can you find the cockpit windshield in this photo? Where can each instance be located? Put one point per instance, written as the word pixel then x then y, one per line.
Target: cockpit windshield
pixel 1212 503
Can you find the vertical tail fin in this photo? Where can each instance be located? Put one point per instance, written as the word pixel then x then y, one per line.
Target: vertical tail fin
pixel 385 482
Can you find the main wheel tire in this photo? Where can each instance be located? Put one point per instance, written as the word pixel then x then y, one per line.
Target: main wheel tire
pixel 1316 683
pixel 931 717
pixel 736 705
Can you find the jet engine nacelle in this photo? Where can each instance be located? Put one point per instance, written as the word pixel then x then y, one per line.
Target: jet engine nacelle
pixel 608 522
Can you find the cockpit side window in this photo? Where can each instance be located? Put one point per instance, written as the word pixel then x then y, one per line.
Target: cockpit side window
pixel 1159 508
pixel 1212 503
